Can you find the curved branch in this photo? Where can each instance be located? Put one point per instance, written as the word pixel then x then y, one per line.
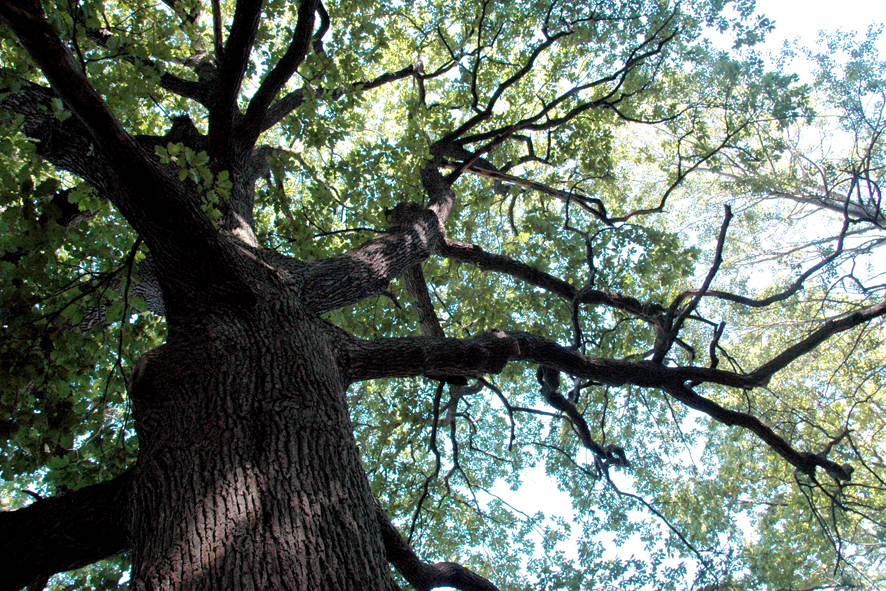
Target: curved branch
pixel 422 575
pixel 490 352
pixel 804 461
pixel 185 88
pixel 66 144
pixel 157 206
pixel 828 329
pixel 282 72
pixel 471 253
pixel 63 533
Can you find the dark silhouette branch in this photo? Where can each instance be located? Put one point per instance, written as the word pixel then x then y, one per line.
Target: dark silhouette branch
pixel 251 125
pixel 63 533
pixel 490 352
pixel 674 325
pixel 296 98
pixel 223 111
pixel 473 254
pixel 806 462
pixel 422 575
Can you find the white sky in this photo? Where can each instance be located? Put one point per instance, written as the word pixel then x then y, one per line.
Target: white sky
pixel 804 18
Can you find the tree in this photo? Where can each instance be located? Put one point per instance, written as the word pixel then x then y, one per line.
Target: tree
pixel 214 214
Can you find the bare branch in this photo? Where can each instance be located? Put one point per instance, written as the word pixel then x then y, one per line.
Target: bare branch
pixel 828 329
pixel 490 352
pixel 804 461
pixel 471 253
pixel 591 205
pixel 672 328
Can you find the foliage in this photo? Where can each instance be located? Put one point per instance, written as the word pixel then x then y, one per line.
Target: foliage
pixel 667 141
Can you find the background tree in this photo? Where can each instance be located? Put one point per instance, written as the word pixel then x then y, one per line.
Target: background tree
pixel 293 292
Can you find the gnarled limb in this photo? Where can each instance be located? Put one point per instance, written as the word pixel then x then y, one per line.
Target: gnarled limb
pixel 63 533
pixel 339 281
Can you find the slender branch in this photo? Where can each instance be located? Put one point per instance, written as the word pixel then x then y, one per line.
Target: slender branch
pixel 670 333
pixel 590 204
pixel 422 575
pixel 296 98
pixel 197 91
pixel 787 292
pixel 471 253
pixel 804 461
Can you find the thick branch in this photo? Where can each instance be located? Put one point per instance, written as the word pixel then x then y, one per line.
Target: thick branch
pixel 282 72
pixel 147 195
pixel 417 287
pixel 223 112
pixel 63 533
pixel 828 329
pixel 65 144
pixel 591 205
pixel 364 272
pixel 490 352
pixel 28 22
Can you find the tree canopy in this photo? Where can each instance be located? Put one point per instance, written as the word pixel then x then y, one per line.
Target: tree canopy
pixel 578 240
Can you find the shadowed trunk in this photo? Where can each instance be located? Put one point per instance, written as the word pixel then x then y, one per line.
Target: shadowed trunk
pixel 249 476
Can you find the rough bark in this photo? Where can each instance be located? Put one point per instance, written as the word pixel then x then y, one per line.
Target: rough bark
pixel 249 476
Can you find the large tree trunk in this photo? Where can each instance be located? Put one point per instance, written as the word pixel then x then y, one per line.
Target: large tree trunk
pixel 249 476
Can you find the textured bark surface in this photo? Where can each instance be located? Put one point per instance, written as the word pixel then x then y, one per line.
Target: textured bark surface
pixel 249 476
